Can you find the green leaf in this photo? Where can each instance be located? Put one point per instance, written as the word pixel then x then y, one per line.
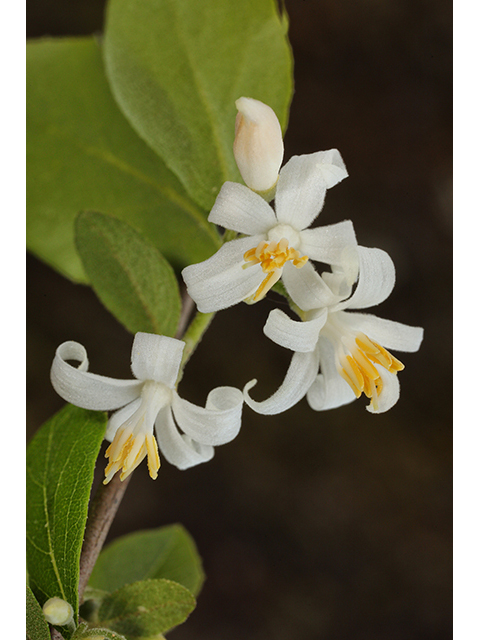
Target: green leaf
pixel 168 552
pixel 129 275
pixel 37 627
pixel 83 632
pixel 60 462
pixel 176 69
pixel 146 608
pixel 83 155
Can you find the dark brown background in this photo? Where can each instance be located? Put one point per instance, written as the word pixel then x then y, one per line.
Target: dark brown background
pixel 337 525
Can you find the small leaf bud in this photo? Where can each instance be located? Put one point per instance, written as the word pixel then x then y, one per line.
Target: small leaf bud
pixel 57 611
pixel 258 145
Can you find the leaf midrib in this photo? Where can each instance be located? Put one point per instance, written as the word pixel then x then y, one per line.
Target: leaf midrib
pixel 112 160
pixel 137 290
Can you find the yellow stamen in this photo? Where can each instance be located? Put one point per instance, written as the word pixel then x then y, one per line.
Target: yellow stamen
pixel 272 257
pixel 153 458
pixel 359 371
pixel 267 284
pixel 126 452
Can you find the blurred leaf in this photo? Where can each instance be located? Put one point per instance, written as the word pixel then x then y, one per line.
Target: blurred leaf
pixel 60 462
pixel 83 632
pixel 129 275
pixel 83 155
pixel 168 552
pixel 144 609
pixel 176 69
pixel 37 627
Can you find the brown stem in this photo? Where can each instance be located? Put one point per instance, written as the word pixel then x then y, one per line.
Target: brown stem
pixel 56 635
pixel 188 306
pixel 102 512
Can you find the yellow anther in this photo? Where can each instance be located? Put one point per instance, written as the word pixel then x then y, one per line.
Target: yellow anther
pixel 153 458
pixel 126 452
pixel 272 257
pixel 359 371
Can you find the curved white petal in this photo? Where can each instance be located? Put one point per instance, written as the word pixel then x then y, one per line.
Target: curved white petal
pixel 301 190
pixel 333 244
pixel 216 423
pixel 156 358
pixel 329 390
pixel 293 334
pixel 119 418
pixel 221 281
pixel 390 334
pixel 389 394
pixel 85 389
pixel 177 448
pixel 376 279
pixel 332 166
pixel 239 208
pixel 302 186
pixel 306 287
pixel 299 378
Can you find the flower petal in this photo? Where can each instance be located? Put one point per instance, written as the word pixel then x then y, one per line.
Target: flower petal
pixel 239 208
pixel 332 166
pixel 179 449
pixel 292 334
pixel 389 394
pixel 302 186
pixel 300 193
pixel 216 423
pixel 221 281
pixel 88 390
pixel 156 358
pixel 390 334
pixel 306 287
pixel 376 279
pixel 329 390
pixel 299 378
pixel 119 418
pixel 333 244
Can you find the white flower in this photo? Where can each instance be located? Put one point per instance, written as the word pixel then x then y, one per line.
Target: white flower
pixel 350 348
pixel 258 144
pixel 186 433
pixel 277 243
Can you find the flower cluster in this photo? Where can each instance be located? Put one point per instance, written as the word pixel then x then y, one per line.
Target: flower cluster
pixel 338 353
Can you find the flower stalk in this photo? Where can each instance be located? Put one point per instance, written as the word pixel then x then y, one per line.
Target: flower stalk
pixel 103 509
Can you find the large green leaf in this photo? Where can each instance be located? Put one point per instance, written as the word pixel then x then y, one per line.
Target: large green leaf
pixel 168 552
pixel 146 608
pixel 176 68
pixel 37 627
pixel 129 275
pixel 83 155
pixel 60 462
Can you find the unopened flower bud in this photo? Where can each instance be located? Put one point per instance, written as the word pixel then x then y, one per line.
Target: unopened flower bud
pixel 258 145
pixel 58 611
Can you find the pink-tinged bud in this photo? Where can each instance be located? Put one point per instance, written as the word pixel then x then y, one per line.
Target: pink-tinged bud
pixel 258 145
